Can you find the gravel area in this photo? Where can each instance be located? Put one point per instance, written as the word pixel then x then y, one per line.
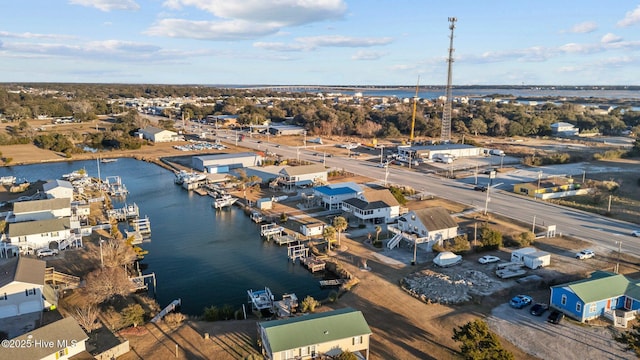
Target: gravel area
pixel 565 341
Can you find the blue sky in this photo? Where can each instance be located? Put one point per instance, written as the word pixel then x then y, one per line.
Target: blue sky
pixel 324 42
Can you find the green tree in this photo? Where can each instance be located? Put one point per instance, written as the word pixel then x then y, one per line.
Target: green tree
pixel 631 338
pixel 491 239
pixel 309 304
pixel 329 234
pixel 340 224
pixel 132 315
pixel 478 342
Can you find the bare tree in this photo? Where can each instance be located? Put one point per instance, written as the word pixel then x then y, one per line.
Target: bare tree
pixel 105 283
pixel 116 253
pixel 87 316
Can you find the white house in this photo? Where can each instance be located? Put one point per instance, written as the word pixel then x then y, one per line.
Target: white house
pixel 222 163
pixel 21 284
pixel 564 129
pixel 41 209
pixel 62 339
pixel 315 336
pixel 32 235
pixel 331 196
pixel 58 189
pixel 430 226
pixel 373 205
pixel 157 135
pixel 312 228
pixel 303 175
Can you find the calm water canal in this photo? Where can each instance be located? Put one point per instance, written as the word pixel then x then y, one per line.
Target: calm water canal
pixel 199 255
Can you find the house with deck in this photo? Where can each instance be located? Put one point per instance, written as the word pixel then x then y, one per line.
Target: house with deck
pixel 315 335
pixel 21 287
pixel 331 196
pixel 303 175
pixel 63 339
pixel 427 226
pixel 49 233
pixel 33 210
pixel 373 205
pixel 604 293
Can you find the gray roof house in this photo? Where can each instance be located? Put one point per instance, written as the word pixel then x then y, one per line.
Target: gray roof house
pixel 21 284
pixel 63 339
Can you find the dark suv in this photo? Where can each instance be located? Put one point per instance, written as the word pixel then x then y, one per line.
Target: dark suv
pixel 555 317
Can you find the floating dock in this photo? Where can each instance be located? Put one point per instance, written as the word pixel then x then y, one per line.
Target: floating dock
pixel 332 282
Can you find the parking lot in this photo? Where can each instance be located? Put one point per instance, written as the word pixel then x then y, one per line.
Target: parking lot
pixel 564 341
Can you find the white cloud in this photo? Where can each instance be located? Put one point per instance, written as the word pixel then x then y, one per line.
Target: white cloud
pixel 585 27
pixel 314 42
pixel 610 38
pixel 107 5
pixel 249 19
pixel 631 17
pixel 210 30
pixel 29 35
pixel 283 12
pixel 278 46
pixel 368 55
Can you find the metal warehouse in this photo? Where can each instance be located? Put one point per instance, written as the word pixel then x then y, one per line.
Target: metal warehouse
pixel 210 163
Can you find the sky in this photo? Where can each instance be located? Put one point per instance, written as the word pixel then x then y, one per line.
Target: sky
pixel 320 42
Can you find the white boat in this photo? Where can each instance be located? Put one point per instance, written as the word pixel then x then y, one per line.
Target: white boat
pixel 189 177
pixel 104 161
pixel 224 201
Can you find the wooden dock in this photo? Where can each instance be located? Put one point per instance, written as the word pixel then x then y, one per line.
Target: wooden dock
pixel 125 213
pixel 285 239
pixel 269 230
pixel 314 264
pixel 142 226
pixel 174 304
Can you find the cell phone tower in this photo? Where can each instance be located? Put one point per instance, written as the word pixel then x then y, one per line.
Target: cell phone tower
pixel 445 135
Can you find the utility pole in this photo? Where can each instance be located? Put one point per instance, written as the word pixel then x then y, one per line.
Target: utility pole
pixel 445 135
pixel 609 207
pixel 533 228
pixel 381 153
pixel 619 251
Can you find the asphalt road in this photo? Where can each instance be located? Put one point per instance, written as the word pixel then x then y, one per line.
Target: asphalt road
pixel 594 228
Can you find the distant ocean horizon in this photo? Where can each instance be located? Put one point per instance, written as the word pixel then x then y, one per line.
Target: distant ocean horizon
pixel 432 92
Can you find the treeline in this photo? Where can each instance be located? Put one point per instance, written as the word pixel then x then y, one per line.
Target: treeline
pixel 321 117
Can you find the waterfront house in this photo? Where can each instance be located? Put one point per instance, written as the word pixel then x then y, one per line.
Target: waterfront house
pixel 373 205
pixel 58 189
pixel 603 294
pixel 303 175
pixel 32 235
pixel 53 208
pixel 157 135
pixel 315 335
pixel 331 196
pixel 62 339
pixel 313 228
pixel 564 129
pixel 430 226
pixel 21 287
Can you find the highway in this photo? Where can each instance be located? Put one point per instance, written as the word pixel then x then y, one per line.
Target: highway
pixel 594 228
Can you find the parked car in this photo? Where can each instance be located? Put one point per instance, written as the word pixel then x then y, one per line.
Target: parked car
pixel 480 188
pixel 488 259
pixel 585 254
pixel 520 301
pixel 555 317
pixel 46 252
pixel 538 309
pixel 635 233
pixel 382 165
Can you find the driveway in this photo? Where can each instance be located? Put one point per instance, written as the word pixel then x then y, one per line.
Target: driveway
pixel 565 341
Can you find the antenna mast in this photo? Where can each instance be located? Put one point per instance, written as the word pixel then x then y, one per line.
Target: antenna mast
pixel 413 117
pixel 445 135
